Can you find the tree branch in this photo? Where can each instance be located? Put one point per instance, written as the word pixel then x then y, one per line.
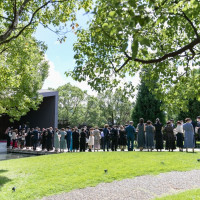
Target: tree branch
pixel 15 21
pixel 12 27
pixel 30 22
pixel 125 63
pixel 5 18
pixel 172 54
pixel 194 28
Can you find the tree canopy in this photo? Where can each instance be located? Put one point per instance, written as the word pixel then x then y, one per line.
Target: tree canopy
pixel 128 35
pixel 23 70
pixel 23 65
pixel 147 106
pixel 78 108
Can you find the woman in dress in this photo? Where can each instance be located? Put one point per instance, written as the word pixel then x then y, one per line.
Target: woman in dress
pixel 44 139
pixel 97 138
pixel 149 135
pixel 170 138
pixel 91 139
pixel 189 135
pixel 28 138
pixel 75 138
pixel 158 135
pixel 179 135
pixel 82 140
pixel 63 145
pixel 14 138
pixel 56 140
pixel 122 138
pixel 141 134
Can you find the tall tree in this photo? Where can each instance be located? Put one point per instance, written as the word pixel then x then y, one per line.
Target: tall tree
pixel 94 115
pixel 23 69
pixel 147 106
pixel 115 107
pixel 22 64
pixel 193 110
pixel 71 106
pixel 126 36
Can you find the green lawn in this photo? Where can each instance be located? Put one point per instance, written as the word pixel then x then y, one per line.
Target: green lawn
pixel 35 177
pixel 188 195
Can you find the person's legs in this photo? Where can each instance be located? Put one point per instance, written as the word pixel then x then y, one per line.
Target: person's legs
pixel 104 145
pixel 132 143
pixel 128 143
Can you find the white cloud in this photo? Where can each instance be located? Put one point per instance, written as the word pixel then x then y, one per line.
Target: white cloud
pixel 54 79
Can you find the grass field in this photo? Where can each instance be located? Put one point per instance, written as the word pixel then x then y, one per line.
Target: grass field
pixel 36 177
pixel 188 195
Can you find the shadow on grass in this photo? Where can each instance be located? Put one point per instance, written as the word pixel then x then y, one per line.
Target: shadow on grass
pixel 3 179
pixel 3 170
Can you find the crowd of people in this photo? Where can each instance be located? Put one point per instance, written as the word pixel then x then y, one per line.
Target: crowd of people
pixel 145 136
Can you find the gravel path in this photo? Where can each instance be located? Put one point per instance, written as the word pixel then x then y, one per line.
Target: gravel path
pixel 139 188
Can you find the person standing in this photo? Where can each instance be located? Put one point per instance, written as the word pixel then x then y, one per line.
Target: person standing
pixel 114 138
pixel 44 139
pixel 141 134
pixel 106 143
pixel 68 138
pixel 49 139
pixel 189 135
pixel 8 133
pixel 158 135
pixel 56 140
pixel 14 137
pixel 35 138
pixel 28 138
pixel 75 138
pixel 170 138
pixel 97 138
pixel 91 139
pixel 82 140
pixel 122 138
pixel 179 135
pixel 62 140
pixel 102 138
pixel 130 131
pixel 198 128
pixel 150 135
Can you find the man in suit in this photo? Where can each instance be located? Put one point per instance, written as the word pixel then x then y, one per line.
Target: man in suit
pixel 130 131
pixel 35 138
pixel 106 142
pixel 114 138
pixel 198 127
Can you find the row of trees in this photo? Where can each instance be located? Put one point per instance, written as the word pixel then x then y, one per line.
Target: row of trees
pixel 122 38
pixel 78 108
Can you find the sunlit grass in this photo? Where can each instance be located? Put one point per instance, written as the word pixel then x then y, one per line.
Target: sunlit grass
pixel 187 195
pixel 36 177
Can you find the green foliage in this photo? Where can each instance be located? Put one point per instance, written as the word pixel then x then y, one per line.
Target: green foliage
pixel 40 176
pixel 116 107
pixel 189 195
pixel 193 111
pixel 22 63
pixel 71 104
pixel 23 69
pixel 147 106
pixel 127 36
pixel 77 107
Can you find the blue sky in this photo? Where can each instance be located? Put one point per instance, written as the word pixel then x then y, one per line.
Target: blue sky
pixel 61 56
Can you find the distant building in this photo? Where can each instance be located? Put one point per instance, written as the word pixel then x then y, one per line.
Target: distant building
pixel 46 115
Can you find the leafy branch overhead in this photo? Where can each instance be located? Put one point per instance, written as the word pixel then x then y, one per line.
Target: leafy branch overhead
pixel 23 67
pixel 162 37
